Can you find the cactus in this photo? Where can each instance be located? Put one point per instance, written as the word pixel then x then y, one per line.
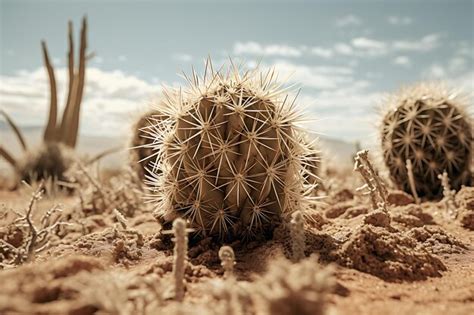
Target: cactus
pixel 428 125
pixel 53 157
pixel 231 156
pixel 142 155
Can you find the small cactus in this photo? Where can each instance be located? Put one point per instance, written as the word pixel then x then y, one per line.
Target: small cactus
pixel 231 159
pixel 54 156
pixel 428 125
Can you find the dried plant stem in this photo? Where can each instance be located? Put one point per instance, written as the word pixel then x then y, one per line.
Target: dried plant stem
pixel 411 180
pixel 30 249
pixel 227 257
pixel 448 195
pixel 180 256
pixel 373 183
pixel 298 242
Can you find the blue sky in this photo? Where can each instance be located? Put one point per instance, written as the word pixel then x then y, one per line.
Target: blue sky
pixel 343 54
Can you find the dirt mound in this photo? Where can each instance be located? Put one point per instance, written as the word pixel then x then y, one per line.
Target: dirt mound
pixel 401 245
pixel 465 200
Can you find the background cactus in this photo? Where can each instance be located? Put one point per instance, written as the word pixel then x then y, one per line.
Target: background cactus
pixel 231 155
pixel 141 145
pixel 428 125
pixel 53 157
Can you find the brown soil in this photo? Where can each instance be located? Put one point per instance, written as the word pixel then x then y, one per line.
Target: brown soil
pixel 414 259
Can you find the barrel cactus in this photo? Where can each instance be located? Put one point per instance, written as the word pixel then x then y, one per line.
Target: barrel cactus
pixel 428 125
pixel 141 154
pixel 231 157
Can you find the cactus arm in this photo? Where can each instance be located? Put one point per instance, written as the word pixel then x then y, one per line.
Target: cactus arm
pixel 71 93
pixel 8 157
pixel 103 154
pixel 15 129
pixel 74 123
pixel 50 131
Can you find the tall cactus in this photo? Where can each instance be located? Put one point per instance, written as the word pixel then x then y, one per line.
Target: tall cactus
pixel 428 125
pixel 60 136
pixel 231 156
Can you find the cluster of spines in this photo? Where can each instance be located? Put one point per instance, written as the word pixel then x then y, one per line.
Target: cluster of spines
pixel 230 155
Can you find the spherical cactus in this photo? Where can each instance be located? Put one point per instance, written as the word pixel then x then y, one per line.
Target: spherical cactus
pixel 428 125
pixel 141 154
pixel 231 156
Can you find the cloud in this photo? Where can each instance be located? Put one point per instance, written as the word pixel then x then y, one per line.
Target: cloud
pixel 348 20
pixel 254 48
pixel 426 43
pixel 110 97
pixel 369 46
pixel 317 77
pixel 343 49
pixel 399 20
pixel 403 61
pixel 322 52
pixel 122 58
pixel 182 57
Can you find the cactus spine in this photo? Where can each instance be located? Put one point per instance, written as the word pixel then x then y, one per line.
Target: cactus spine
pixel 231 156
pixel 428 125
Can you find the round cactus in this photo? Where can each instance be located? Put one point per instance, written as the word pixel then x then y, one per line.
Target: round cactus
pixel 428 125
pixel 232 159
pixel 142 155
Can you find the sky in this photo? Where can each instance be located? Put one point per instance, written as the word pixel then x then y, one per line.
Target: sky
pixel 343 55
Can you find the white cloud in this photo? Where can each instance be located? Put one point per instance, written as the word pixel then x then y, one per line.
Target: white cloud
pixel 369 46
pixel 343 49
pixel 426 43
pixel 403 61
pixel 109 98
pixel 322 52
pixel 254 48
pixel 348 20
pixel 122 58
pixel 322 77
pixel 399 20
pixel 182 57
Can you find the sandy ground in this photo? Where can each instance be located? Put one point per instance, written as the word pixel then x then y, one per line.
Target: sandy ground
pixel 413 260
